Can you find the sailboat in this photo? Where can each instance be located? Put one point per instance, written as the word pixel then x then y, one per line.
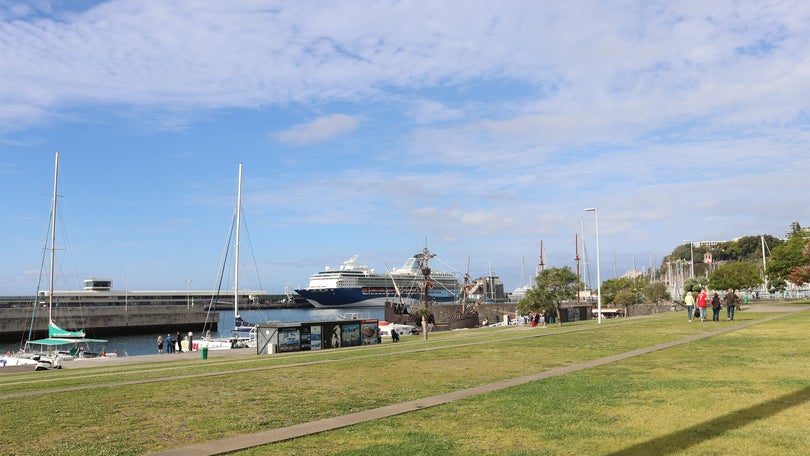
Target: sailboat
pixel 61 344
pixel 243 334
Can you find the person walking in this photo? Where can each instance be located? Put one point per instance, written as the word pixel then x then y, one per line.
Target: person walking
pixel 731 299
pixel 689 300
pixel 716 306
pixel 179 342
pixel 702 297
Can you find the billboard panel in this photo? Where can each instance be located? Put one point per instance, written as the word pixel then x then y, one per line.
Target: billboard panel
pixel 315 337
pixel 289 339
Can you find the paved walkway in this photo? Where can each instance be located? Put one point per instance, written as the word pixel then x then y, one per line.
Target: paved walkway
pixel 299 430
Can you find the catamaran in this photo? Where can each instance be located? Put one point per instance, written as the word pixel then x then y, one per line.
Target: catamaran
pixel 61 344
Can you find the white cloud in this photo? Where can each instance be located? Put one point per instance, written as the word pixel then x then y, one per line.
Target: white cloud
pixel 319 129
pixel 478 119
pixel 244 54
pixel 428 111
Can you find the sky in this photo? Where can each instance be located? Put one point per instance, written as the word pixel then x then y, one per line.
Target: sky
pixel 477 128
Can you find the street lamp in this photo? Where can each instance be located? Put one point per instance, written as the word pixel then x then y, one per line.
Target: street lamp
pixel 188 299
pixel 691 259
pixel 598 273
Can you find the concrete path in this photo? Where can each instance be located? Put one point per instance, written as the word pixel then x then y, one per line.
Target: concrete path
pixel 299 430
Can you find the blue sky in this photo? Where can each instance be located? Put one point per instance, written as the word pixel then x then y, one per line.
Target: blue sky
pixel 371 127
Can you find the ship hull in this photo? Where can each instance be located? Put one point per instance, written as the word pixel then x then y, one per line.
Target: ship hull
pixel 330 298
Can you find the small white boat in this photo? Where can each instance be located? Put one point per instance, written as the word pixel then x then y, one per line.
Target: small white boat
pixel 403 330
pixel 48 362
pixel 10 359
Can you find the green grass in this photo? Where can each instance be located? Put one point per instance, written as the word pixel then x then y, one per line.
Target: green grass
pixel 742 392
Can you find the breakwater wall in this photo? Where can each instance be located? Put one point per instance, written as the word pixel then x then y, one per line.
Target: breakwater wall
pixel 99 321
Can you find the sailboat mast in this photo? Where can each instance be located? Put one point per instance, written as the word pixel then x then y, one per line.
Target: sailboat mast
pixel 576 258
pixel 236 252
pixel 587 271
pixel 542 261
pixel 764 264
pixel 53 235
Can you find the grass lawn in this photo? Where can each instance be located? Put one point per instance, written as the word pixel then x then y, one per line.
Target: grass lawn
pixel 741 392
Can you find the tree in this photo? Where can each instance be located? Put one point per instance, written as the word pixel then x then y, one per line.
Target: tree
pixel 795 228
pixel 751 246
pixel 626 298
pixel 424 313
pixel 554 285
pixel 728 251
pixel 801 273
pixel 656 292
pixel 737 275
pixel 613 287
pixel 744 248
pixel 681 252
pixel 787 257
pixel 694 285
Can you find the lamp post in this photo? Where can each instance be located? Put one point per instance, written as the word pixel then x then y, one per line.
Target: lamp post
pixel 126 295
pixel 598 273
pixel 188 299
pixel 691 259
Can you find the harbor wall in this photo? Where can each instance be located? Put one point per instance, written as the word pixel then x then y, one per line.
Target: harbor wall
pixel 99 321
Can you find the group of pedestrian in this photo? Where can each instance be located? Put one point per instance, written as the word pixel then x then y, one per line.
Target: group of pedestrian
pixel 174 344
pixel 539 319
pixel 731 300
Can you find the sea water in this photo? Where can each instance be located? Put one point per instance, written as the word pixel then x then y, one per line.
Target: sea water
pixel 145 344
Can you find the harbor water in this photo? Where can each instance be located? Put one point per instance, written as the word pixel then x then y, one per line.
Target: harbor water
pixel 145 344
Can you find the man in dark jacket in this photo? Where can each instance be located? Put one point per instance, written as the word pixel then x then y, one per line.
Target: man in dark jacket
pixel 731 300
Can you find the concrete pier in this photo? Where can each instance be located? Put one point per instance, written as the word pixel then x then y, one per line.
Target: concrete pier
pixel 100 321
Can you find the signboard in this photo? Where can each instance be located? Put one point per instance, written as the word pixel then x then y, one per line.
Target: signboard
pixel 290 337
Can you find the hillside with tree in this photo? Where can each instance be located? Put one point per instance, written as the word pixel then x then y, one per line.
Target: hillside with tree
pixel 736 264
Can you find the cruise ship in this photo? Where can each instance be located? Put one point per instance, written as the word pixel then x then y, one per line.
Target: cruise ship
pixel 353 285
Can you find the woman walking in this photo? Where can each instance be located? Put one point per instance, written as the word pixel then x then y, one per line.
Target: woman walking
pixel 716 306
pixel 701 303
pixel 689 300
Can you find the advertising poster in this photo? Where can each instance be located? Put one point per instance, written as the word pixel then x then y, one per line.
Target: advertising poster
pixel 333 335
pixel 351 334
pixel 288 339
pixel 369 332
pixel 305 338
pixel 315 337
